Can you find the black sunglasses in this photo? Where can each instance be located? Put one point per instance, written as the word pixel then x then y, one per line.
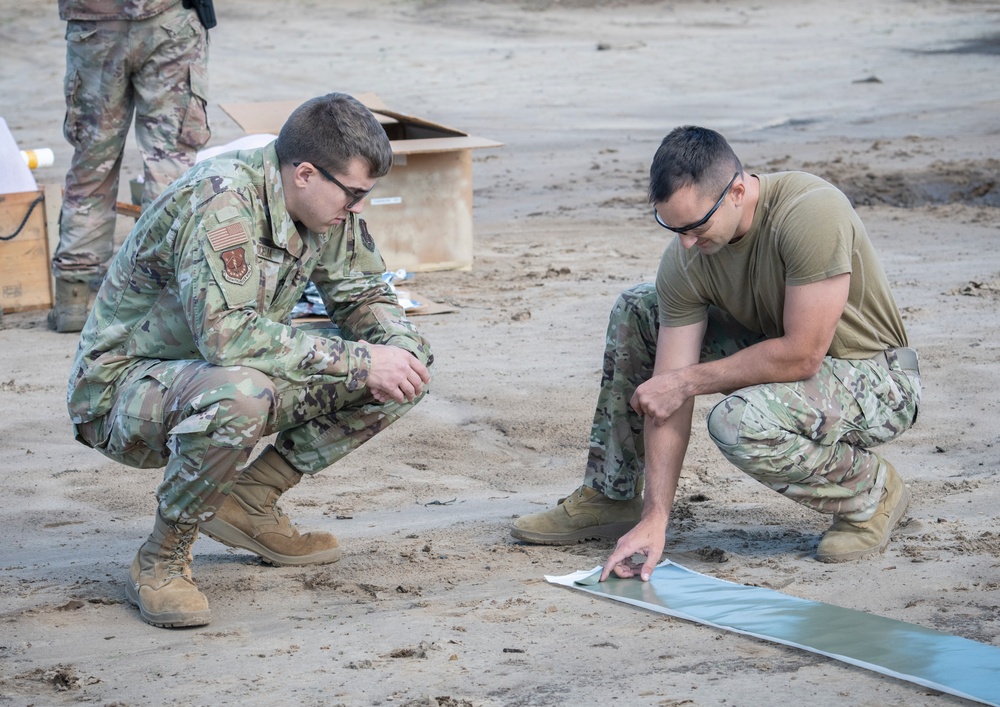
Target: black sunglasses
pixel 684 229
pixel 355 196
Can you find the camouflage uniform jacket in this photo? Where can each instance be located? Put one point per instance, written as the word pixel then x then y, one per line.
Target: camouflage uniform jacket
pixel 112 9
pixel 212 270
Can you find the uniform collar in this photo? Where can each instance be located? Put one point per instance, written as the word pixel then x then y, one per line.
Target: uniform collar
pixel 283 231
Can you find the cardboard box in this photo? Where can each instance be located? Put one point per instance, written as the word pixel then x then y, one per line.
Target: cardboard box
pixel 25 279
pixel 421 212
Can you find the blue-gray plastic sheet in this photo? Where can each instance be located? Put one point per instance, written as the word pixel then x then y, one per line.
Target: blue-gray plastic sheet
pixel 957 666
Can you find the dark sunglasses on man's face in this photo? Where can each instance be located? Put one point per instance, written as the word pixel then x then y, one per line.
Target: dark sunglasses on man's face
pixel 684 229
pixel 355 196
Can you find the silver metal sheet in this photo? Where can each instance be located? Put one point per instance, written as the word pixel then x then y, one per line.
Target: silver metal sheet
pixel 920 655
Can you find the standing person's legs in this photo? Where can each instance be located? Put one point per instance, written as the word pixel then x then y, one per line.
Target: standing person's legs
pixel 171 87
pixel 98 114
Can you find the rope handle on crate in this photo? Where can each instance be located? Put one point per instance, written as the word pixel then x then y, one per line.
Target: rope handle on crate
pixel 17 230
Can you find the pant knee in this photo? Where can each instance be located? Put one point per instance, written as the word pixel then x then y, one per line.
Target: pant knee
pixel 725 421
pixel 636 302
pixel 245 399
pixel 254 393
pixel 634 319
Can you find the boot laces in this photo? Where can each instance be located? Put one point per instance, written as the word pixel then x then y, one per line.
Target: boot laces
pixel 177 561
pixel 271 507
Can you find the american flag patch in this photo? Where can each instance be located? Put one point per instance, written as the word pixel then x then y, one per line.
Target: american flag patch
pixel 227 236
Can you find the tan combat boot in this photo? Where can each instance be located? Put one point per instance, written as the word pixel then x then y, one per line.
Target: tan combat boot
pixel 250 519
pixel 852 540
pixel 69 313
pixel 160 581
pixel 585 514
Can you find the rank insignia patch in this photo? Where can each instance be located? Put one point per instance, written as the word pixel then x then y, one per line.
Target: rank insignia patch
pixel 237 270
pixel 227 236
pixel 366 237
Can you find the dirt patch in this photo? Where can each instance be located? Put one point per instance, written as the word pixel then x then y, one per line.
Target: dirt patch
pixel 963 182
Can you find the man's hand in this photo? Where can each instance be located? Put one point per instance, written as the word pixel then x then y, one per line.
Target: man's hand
pixel 660 396
pixel 395 374
pixel 647 538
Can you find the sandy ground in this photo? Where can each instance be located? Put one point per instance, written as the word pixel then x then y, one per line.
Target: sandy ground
pixel 433 602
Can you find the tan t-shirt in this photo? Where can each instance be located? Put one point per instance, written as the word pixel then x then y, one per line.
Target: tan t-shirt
pixel 804 230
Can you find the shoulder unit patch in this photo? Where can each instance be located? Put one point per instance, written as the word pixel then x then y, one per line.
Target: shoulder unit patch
pixel 237 270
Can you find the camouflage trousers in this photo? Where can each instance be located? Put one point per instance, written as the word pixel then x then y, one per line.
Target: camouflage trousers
pixel 201 422
pixel 808 440
pixel 155 68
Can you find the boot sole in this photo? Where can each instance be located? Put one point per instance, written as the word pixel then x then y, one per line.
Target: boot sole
pixel 897 515
pixel 611 531
pixel 169 619
pixel 231 536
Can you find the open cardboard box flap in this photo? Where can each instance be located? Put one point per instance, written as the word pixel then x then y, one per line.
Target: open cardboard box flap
pixel 408 134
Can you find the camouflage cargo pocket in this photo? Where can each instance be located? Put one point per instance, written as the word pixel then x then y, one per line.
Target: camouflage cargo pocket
pixel 194 128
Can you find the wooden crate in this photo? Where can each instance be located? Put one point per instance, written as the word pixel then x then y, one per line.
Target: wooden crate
pixel 25 279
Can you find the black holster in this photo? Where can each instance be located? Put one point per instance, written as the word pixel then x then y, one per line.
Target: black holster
pixel 205 10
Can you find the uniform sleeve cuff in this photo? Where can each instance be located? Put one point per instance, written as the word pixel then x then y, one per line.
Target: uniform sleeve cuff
pixel 359 364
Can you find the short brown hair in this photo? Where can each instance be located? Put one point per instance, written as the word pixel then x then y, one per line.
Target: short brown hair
pixel 331 131
pixel 690 155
